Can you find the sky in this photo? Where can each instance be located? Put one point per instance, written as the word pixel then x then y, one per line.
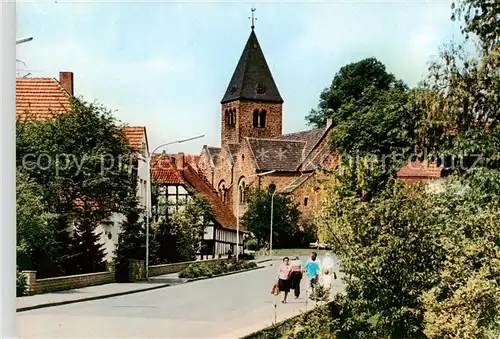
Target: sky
pixel 166 64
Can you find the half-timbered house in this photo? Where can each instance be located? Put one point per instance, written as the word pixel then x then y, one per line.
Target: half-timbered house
pixel 175 179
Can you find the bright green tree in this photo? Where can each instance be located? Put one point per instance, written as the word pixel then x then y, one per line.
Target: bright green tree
pixel 349 86
pixel 35 236
pixel 286 218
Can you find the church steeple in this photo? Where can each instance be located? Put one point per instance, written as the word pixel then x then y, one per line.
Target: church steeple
pixel 252 79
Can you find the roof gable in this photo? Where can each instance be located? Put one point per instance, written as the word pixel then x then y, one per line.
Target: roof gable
pixel 252 78
pixel 40 98
pixel 163 171
pixel 135 135
pixel 221 213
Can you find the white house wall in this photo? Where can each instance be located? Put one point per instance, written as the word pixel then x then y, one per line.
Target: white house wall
pixel 111 230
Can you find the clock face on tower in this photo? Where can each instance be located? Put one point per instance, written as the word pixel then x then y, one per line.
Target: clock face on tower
pixel 233 89
pixel 260 89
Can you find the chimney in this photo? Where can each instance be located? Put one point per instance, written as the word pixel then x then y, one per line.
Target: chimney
pixel 180 161
pixel 329 123
pixel 66 81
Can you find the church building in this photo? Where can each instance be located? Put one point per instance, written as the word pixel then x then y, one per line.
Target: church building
pixel 254 152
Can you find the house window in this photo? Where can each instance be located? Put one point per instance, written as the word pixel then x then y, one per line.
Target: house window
pixel 306 199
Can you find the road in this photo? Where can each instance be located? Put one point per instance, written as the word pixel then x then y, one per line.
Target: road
pixel 225 307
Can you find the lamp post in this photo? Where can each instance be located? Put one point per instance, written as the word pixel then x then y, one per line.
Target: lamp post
pixel 238 212
pixel 23 40
pixel 271 226
pixel 148 190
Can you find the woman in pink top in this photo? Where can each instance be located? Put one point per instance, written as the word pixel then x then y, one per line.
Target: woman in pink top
pixel 284 282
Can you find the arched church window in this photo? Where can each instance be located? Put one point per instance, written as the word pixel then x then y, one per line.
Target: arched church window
pixel 222 189
pixel 227 117
pixel 242 191
pixel 256 118
pixel 272 188
pixel 233 116
pixel 262 123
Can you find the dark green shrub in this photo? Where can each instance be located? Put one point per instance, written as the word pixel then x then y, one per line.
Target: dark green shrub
pixel 21 284
pixel 246 256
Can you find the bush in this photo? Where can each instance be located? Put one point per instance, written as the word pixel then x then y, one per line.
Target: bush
pixel 252 244
pixel 246 256
pixel 21 284
pixel 201 269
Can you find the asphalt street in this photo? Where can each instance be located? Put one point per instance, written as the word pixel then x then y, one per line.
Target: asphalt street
pixel 225 307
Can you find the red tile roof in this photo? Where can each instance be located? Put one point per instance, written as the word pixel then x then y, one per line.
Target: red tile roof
pixel 40 98
pixel 162 170
pixel 221 213
pixel 135 136
pixel 418 169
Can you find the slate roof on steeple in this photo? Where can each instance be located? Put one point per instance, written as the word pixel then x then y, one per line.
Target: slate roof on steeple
pixel 252 79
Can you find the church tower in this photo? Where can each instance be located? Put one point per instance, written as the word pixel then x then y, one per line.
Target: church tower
pixel 252 104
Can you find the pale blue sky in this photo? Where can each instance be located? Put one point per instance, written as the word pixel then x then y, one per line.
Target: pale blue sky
pixel 166 65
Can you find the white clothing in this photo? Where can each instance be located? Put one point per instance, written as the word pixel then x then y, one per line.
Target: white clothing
pixel 328 264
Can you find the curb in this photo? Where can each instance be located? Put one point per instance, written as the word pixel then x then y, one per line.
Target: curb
pixel 104 296
pixel 97 297
pixel 263 260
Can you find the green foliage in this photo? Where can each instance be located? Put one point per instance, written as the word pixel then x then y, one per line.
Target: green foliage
pixel 178 236
pixel 381 122
pixel 203 269
pixel 317 323
pixel 21 284
pixel 35 236
pixel 422 264
pixel 131 242
pixel 349 86
pixel 286 217
pixel 80 161
pixel 252 244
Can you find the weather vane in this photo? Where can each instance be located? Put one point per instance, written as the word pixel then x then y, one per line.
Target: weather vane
pixel 253 18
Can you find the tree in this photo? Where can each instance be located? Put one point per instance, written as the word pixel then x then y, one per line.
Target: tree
pixel 81 159
pixel 179 235
pixel 286 218
pixel 418 259
pixel 131 241
pixel 350 85
pixel 35 236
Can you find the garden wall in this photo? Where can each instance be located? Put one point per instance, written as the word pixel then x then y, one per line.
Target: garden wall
pixel 177 267
pixel 36 286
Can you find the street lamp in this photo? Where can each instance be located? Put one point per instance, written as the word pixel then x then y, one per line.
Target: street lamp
pixel 23 40
pixel 272 206
pixel 238 212
pixel 148 190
